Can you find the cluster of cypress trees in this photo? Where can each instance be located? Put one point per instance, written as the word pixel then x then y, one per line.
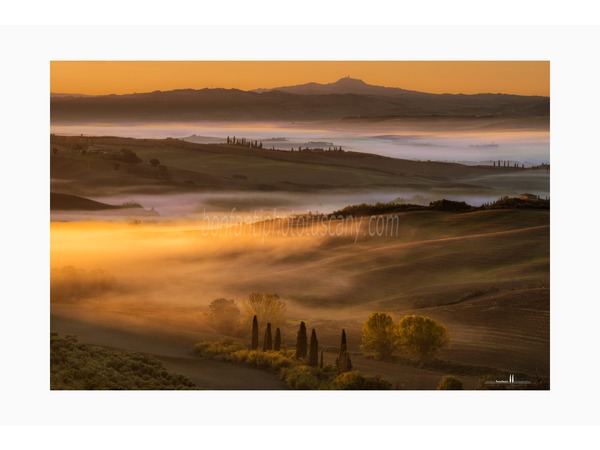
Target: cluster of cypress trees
pixel 507 164
pixel 268 342
pixel 304 350
pixel 244 142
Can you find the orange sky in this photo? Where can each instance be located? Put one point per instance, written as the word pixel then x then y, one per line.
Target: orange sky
pixel 468 77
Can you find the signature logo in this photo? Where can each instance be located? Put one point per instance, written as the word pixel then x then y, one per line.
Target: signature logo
pixel 511 380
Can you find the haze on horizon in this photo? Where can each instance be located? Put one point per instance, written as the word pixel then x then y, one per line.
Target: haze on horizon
pixel 455 77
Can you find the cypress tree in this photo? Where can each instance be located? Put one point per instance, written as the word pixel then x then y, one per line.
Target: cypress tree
pixel 268 342
pixel 254 344
pixel 313 354
pixel 343 345
pixel 343 362
pixel 301 342
pixel 321 363
pixel 277 343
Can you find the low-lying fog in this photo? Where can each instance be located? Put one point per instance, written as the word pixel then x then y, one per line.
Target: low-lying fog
pixel 468 142
pixel 260 205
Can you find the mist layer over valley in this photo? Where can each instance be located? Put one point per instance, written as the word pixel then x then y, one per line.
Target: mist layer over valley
pixel 173 178
pixel 472 141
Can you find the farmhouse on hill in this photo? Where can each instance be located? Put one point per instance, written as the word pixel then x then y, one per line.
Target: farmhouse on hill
pixel 528 197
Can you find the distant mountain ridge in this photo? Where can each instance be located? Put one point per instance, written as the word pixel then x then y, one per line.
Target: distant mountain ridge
pixel 345 85
pixel 345 98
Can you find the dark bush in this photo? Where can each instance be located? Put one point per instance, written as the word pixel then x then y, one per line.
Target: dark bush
pixel 449 383
pixel 355 381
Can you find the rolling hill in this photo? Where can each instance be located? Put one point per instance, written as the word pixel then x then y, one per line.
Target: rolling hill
pixel 191 167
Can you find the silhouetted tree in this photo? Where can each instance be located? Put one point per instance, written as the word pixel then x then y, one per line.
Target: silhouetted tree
pixel 254 344
pixel 343 345
pixel 268 307
pixel 228 140
pixel 343 362
pixel 277 343
pixel 268 342
pixel 313 354
pixel 223 315
pixel 321 363
pixel 301 342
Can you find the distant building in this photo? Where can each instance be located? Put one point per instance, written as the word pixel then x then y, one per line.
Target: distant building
pixel 528 197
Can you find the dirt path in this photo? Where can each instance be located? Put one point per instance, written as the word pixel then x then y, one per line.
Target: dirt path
pixel 221 375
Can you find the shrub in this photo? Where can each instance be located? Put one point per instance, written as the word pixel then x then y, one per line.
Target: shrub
pixel 270 360
pixel 449 383
pixel 217 349
pixel 301 377
pixel 355 381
